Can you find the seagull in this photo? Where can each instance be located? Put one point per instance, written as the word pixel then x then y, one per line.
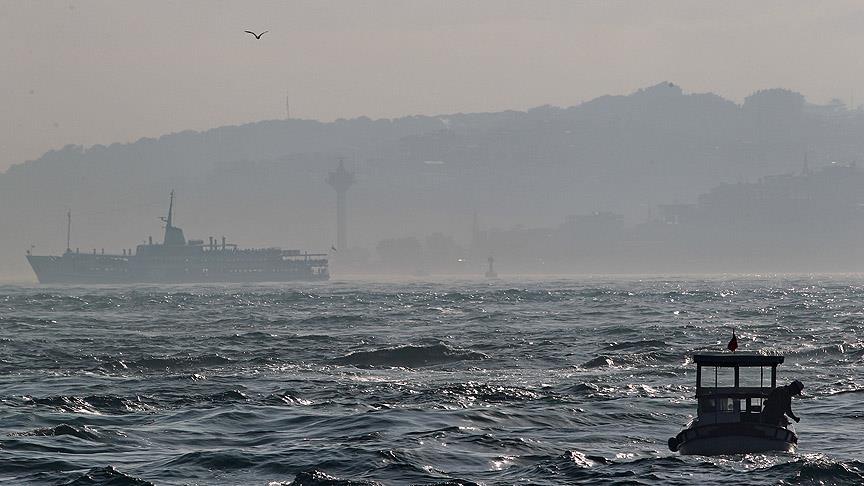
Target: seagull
pixel 257 36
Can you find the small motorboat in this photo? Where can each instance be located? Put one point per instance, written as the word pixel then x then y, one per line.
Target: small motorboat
pixel 728 419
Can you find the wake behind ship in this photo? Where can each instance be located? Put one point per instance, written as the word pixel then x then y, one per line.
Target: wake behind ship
pixel 176 260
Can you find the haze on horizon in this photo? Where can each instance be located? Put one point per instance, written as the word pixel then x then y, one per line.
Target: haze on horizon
pixel 100 72
pixel 564 138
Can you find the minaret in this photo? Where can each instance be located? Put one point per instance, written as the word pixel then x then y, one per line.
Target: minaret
pixel 341 180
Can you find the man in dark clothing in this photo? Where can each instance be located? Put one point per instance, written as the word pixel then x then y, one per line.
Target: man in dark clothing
pixel 779 402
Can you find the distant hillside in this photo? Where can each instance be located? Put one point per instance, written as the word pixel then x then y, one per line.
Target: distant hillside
pixel 263 183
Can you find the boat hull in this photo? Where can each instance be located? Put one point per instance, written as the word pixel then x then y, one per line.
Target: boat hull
pixel 733 445
pixel 740 438
pixel 113 269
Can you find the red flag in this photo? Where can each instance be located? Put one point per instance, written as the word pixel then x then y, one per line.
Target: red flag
pixel 733 343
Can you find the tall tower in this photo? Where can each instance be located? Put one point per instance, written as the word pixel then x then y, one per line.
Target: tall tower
pixel 287 106
pixel 341 180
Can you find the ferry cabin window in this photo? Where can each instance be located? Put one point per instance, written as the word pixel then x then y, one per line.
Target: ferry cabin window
pixel 721 405
pixel 750 377
pixel 755 377
pixel 707 405
pixel 717 376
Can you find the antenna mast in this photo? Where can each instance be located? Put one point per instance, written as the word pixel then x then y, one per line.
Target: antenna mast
pixel 68 230
pixel 168 222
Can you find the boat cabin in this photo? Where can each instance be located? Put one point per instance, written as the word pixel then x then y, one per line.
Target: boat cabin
pixel 731 387
pixel 730 391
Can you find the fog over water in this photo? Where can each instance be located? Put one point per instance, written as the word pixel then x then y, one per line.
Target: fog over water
pixel 558 137
pixel 661 180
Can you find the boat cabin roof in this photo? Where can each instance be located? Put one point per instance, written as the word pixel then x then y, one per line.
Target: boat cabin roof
pixel 733 360
pixel 735 382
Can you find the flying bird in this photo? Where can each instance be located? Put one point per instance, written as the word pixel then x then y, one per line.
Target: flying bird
pixel 257 36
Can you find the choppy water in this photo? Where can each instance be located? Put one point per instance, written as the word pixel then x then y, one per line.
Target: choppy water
pixel 504 382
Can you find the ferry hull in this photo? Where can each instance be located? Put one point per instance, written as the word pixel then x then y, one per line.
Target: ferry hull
pixel 740 444
pixel 89 269
pixel 741 438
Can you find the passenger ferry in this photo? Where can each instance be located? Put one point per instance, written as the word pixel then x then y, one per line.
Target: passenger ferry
pixel 730 392
pixel 177 260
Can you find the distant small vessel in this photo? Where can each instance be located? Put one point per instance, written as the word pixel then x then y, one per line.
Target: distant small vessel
pixel 728 419
pixel 491 273
pixel 177 260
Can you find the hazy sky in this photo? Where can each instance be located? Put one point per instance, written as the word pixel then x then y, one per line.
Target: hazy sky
pixel 89 72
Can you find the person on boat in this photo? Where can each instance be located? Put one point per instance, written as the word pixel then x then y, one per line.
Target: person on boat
pixel 779 403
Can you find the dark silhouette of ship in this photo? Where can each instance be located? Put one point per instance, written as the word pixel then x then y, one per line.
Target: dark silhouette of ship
pixel 176 260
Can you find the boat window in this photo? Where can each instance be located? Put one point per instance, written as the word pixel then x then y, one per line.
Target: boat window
pixel 753 405
pixel 721 405
pixel 717 376
pixel 753 377
pixel 735 405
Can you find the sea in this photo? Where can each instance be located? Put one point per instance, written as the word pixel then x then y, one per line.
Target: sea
pixel 540 381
